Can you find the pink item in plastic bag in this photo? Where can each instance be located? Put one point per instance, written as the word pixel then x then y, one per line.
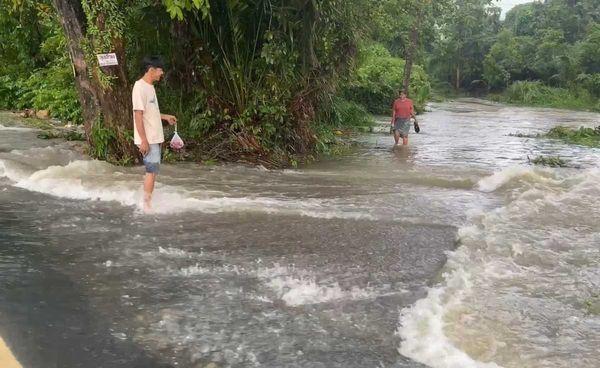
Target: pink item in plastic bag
pixel 176 142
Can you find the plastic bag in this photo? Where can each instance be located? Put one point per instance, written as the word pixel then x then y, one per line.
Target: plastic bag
pixel 176 142
pixel 416 125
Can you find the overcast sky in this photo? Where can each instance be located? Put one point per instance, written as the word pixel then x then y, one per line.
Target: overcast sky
pixel 506 5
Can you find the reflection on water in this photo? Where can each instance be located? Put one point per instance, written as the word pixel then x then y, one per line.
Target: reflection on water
pixel 338 264
pixel 403 153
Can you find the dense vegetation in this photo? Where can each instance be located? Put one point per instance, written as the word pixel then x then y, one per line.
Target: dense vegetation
pixel 544 53
pixel 270 81
pixel 35 70
pixel 555 47
pixel 261 80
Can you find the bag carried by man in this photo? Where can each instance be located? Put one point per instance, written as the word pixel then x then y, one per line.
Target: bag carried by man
pixel 176 142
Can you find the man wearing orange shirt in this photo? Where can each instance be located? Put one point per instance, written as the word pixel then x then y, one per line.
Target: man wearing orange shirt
pixel 402 111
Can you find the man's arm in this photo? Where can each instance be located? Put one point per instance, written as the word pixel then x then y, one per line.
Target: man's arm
pixel 172 120
pixel 393 114
pixel 139 125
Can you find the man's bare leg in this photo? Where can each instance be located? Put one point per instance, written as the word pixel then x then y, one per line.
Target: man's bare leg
pixel 405 141
pixel 149 180
pixel 396 136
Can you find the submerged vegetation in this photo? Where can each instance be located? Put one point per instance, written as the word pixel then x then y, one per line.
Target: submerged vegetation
pixel 551 161
pixel 592 304
pixel 582 136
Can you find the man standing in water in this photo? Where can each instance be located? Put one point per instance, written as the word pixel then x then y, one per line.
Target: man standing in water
pixel 148 132
pixel 402 111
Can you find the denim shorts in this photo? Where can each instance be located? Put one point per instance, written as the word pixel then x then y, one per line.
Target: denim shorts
pixel 152 159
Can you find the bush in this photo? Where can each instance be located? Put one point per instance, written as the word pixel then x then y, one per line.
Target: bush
pixel 344 113
pixel 535 93
pixel 590 82
pixel 10 90
pixel 52 89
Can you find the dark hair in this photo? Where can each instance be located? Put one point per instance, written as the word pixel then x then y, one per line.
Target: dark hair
pixel 402 91
pixel 153 62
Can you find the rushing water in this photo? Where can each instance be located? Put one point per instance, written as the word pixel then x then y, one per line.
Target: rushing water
pixel 453 253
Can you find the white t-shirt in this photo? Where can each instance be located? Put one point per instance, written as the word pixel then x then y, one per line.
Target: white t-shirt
pixel 144 99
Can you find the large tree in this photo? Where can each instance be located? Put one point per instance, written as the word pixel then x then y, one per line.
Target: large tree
pixel 465 36
pixel 405 26
pixel 93 27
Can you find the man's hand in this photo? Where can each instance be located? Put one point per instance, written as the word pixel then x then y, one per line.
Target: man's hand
pixel 172 120
pixel 144 148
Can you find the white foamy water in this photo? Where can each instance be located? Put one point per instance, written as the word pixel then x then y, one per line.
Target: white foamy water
pixel 521 276
pixel 96 180
pixel 195 288
pixel 13 128
pixel 297 287
pixel 291 285
pixel 501 178
pixel 173 252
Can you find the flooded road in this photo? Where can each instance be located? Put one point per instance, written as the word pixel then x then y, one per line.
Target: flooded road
pixel 452 252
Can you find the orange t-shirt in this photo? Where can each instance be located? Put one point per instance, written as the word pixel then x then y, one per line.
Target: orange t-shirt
pixel 403 108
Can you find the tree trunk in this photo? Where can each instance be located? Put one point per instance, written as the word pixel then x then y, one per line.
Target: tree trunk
pixel 73 23
pixel 115 105
pixel 457 77
pixel 410 55
pixel 309 14
pixel 109 105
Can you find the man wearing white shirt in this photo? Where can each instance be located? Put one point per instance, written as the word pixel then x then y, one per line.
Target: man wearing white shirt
pixel 148 132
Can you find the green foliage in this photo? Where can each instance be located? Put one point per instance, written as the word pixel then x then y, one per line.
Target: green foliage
pixel 176 8
pixel 344 114
pixel 466 33
pixel 101 140
pixel 263 71
pixel 69 135
pixel 51 89
pixel 591 82
pixel 589 50
pixel 106 23
pixel 522 19
pixel 556 42
pixel 592 304
pixel 378 78
pixel 537 94
pixel 328 142
pixel 509 59
pixel 390 22
pixel 552 59
pixel 551 161
pixel 10 90
pixel 35 71
pixel 582 136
